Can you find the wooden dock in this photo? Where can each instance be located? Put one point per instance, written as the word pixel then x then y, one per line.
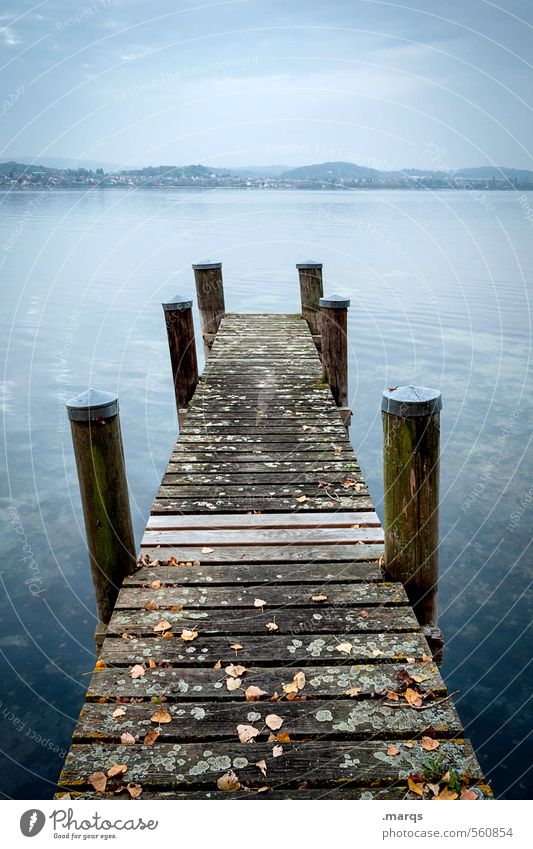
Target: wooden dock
pixel 260 610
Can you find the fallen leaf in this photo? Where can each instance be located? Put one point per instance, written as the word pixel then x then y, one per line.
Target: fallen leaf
pixel 262 766
pixel 162 626
pixel 435 789
pixel 218 665
pixel 168 635
pixel 319 598
pixel 253 693
pixel 302 498
pixel 290 688
pixel 134 790
pixel 259 602
pixel 274 721
pixel 415 787
pixel 277 751
pixel 364 614
pixel 280 737
pixel 137 671
pixel 337 449
pixel 119 712
pixel 228 781
pixel 468 794
pixel 151 605
pixel 127 739
pixel 98 781
pixel 126 636
pixel 207 550
pixel 176 607
pixel 426 658
pixel 117 769
pixel 152 664
pixel 161 717
pixel 150 737
pixel 155 585
pixel 271 626
pixel 394 697
pixel 429 745
pixel 235 646
pixel 447 794
pixel 235 670
pixel 188 635
pixel 392 750
pixel 100 664
pixel 345 648
pixel 353 691
pixel 413 698
pixel 299 680
pixel 377 652
pixel 172 561
pixel 247 733
pixel 233 683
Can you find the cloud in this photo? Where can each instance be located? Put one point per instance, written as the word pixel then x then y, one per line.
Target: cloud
pixel 8 37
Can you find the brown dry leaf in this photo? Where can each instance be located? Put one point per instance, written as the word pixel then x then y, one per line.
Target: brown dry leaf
pixel 468 794
pixel 98 781
pixel 280 737
pixel 150 737
pixel 426 658
pixel 117 769
pixel 420 678
pixel 277 751
pixel 172 561
pixel 435 789
pixel 353 691
pixel 151 605
pixel 262 766
pixel 188 635
pixel 119 712
pixel 337 449
pixel 127 739
pixel 218 665
pixel 253 693
pixel 413 698
pixel 392 750
pixel 207 550
pixel 235 646
pixel 447 794
pixel 299 680
pixel 429 745
pixel 100 664
pixel 302 498
pixel 152 664
pixel 364 614
pixel 290 688
pixel 306 427
pixel 134 790
pixel 271 626
pixel 394 697
pixel 168 635
pixel 162 626
pixel 176 607
pixel 155 585
pixel 161 717
pixel 228 781
pixel 274 721
pixel 319 598
pixel 235 670
pixel 137 671
pixel 345 648
pixel 377 652
pixel 247 733
pixel 233 683
pixel 259 602
pixel 126 636
pixel 415 787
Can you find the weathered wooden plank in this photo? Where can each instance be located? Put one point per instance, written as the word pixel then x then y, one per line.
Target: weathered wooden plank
pixel 338 469
pixel 239 574
pixel 258 536
pixel 243 503
pixel 296 620
pixel 203 720
pixel 180 764
pixel 263 438
pixel 337 595
pixel 394 793
pixel 255 490
pixel 290 520
pixel 287 650
pixel 272 553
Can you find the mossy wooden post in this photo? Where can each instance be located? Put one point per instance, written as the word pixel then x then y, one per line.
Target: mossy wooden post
pixel 97 440
pixel 311 290
pixel 182 349
pixel 411 436
pixel 334 349
pixel 210 295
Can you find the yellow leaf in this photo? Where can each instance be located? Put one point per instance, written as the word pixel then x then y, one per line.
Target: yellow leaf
pixel 161 717
pixel 302 498
pixel 100 664
pixel 447 795
pixel 415 787
pixel 413 698
pixel 218 665
pixel 167 635
pixel 319 598
pixel 228 781
pixel 98 781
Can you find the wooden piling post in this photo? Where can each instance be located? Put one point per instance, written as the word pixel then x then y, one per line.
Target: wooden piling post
pixel 311 290
pixel 411 436
pixel 97 440
pixel 182 349
pixel 210 295
pixel 334 349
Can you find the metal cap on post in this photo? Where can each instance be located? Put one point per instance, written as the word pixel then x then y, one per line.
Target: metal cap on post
pixel 182 349
pixel 311 290
pixel 334 349
pixel 411 446
pixel 97 440
pixel 210 295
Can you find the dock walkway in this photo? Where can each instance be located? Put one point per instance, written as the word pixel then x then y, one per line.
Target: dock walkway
pixel 262 568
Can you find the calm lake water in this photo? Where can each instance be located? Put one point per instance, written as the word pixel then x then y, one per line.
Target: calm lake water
pixel 440 287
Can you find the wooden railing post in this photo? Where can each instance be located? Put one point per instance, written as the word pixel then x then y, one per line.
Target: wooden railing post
pixel 411 436
pixel 210 295
pixel 97 440
pixel 311 290
pixel 182 349
pixel 334 349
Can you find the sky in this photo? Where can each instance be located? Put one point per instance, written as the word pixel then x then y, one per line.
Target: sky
pixel 425 83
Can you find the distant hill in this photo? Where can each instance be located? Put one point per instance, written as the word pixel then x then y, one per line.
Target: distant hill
pixel 487 172
pixel 331 171
pixel 175 171
pixel 61 163
pixel 260 170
